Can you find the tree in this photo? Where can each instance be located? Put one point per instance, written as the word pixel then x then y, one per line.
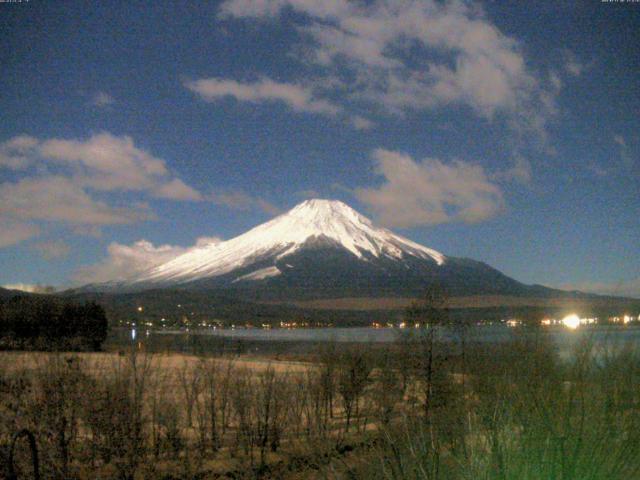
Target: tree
pixel 96 326
pixel 428 314
pixel 48 322
pixel 353 376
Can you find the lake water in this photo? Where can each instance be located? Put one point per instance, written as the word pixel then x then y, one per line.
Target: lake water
pixel 485 333
pixel 262 340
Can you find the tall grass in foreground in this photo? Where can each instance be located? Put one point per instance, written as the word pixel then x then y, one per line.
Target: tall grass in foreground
pixel 418 409
pixel 525 415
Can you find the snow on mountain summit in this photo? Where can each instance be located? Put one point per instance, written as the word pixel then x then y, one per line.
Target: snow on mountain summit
pixel 341 223
pixel 285 234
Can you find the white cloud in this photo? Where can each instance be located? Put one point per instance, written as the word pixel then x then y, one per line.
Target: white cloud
pixel 87 171
pixel 52 250
pixel 206 241
pixel 297 97
pixel 176 189
pixel 12 231
pixel 241 201
pixel 102 162
pixel 107 162
pixel 21 143
pixel 101 99
pixel 15 153
pixel 414 55
pixel 361 123
pixel 28 287
pixel 125 261
pixel 430 192
pixel 57 198
pixel 252 8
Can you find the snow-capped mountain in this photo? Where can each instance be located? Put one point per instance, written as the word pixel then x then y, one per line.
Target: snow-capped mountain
pixel 321 249
pixel 309 222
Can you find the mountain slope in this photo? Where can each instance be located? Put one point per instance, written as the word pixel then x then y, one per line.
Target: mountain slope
pixel 311 223
pixel 322 249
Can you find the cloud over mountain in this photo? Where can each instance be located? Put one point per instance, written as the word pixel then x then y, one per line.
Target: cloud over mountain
pixel 58 198
pixel 429 192
pixel 407 56
pixel 124 261
pixel 61 180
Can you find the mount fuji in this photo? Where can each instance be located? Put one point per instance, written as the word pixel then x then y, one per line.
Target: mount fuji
pixel 321 249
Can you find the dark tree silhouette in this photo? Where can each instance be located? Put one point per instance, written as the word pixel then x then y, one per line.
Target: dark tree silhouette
pixel 50 323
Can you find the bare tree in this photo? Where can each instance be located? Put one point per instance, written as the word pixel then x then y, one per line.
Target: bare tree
pixel 353 376
pixel 314 406
pixel 190 382
pixel 115 413
pixel 58 395
pixel 213 405
pixel 269 411
pixel 241 403
pixel 429 314
pixel 388 386
pixel 328 366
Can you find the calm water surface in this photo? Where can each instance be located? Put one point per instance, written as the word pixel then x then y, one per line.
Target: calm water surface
pixel 243 340
pixel 486 333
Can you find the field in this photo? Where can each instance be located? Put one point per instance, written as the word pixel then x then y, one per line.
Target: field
pixel 413 409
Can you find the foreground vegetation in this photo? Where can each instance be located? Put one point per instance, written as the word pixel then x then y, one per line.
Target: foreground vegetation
pixel 416 409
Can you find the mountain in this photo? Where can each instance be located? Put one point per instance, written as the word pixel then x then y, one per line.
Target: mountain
pixel 322 249
pixel 311 224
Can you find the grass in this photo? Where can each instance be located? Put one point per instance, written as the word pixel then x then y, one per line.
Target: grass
pixel 523 415
pixel 415 409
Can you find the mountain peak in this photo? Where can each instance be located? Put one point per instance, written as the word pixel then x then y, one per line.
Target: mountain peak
pixel 322 204
pixel 308 221
pixel 321 213
pixel 320 207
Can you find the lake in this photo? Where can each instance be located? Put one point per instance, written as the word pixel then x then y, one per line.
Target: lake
pixel 301 339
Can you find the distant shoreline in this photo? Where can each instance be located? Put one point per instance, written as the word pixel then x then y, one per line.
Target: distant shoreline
pixel 472 301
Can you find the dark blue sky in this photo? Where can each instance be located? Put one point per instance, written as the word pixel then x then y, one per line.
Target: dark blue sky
pixel 504 133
